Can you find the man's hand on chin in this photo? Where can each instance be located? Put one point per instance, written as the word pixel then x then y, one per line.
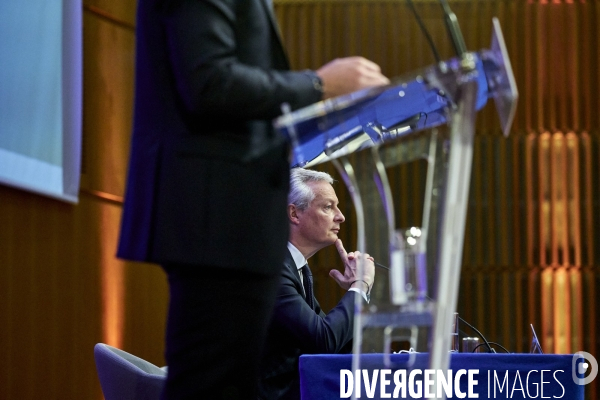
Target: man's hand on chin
pixel 350 277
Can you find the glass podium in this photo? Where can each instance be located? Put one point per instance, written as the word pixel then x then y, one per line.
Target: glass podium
pixel 428 115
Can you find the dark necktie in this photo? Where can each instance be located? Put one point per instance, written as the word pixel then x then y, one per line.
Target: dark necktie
pixel 308 285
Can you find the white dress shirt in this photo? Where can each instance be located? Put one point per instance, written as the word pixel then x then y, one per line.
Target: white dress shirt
pixel 299 260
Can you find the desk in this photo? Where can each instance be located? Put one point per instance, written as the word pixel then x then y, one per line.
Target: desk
pixel 519 374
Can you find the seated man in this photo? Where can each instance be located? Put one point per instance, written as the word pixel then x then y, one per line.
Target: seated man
pixel 298 325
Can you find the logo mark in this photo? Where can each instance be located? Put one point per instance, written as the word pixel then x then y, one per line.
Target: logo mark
pixel 582 361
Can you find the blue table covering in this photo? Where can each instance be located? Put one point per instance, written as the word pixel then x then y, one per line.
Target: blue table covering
pixel 500 376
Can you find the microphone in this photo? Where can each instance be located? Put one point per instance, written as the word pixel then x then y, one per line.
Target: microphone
pixel 451 25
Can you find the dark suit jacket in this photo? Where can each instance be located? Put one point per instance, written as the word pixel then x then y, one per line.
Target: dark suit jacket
pixel 296 329
pixel 207 170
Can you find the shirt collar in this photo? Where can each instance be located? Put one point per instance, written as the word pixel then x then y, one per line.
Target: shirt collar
pixel 299 259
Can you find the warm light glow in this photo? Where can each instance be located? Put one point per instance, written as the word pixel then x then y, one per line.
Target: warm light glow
pixel 113 281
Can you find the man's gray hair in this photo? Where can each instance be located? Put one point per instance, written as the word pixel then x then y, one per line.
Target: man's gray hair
pixel 301 195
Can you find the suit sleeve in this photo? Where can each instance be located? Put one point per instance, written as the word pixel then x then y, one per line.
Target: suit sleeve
pixel 316 333
pixel 210 79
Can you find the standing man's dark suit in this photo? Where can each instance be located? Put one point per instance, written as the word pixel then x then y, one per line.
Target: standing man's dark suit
pixel 208 177
pixel 210 77
pixel 208 180
pixel 297 329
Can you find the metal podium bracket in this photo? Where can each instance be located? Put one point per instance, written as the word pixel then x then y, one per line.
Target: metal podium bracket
pixel 345 169
pixel 462 126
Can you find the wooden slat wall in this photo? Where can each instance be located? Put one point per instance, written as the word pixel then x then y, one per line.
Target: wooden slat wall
pixel 533 225
pixel 61 288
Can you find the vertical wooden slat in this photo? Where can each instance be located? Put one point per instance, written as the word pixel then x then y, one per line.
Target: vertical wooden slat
pixel 328 34
pixel 317 36
pixel 556 48
pixel 534 297
pixel 519 181
pixel 502 169
pixel 573 92
pixel 490 231
pixel 531 200
pixel 590 293
pixel 561 311
pixel 573 230
pixel 521 325
pixel 537 70
pixel 576 309
pixel 558 207
pixel 489 199
pixel 546 304
pixel 478 221
pixel 585 183
pixel 548 252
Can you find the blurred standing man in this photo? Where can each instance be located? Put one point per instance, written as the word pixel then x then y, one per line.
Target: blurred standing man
pixel 208 178
pixel 299 326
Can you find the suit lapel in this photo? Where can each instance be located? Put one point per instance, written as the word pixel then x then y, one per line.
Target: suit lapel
pixel 291 265
pixel 268 7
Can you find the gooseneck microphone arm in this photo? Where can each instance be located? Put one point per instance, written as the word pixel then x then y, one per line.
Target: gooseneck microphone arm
pixel 454 30
pixel 491 350
pixel 424 31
